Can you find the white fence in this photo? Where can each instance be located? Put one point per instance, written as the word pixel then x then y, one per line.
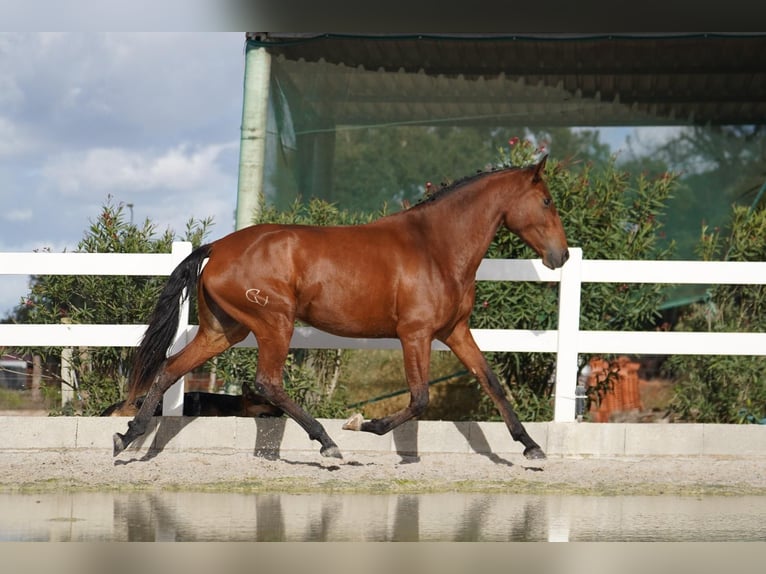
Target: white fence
pixel 567 341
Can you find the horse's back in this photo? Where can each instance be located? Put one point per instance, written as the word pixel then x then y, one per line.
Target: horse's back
pixel 303 250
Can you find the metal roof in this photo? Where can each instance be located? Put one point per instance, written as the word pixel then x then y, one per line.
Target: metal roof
pixel 546 80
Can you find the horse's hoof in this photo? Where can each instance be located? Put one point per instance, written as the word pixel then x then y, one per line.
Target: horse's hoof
pixel 354 423
pixel 119 443
pixel 534 453
pixel 331 452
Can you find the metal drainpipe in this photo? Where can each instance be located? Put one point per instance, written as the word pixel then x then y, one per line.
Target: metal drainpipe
pixel 252 146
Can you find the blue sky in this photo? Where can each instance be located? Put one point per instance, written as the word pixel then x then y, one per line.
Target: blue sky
pixel 148 119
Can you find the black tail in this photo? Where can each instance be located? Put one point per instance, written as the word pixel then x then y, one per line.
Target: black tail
pixel 163 323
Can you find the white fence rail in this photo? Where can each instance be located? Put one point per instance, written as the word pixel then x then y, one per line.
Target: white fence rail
pixel 567 341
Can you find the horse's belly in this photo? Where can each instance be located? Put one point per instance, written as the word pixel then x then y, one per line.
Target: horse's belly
pixel 349 316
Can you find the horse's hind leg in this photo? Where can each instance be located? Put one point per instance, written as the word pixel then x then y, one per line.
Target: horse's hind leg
pixel 272 353
pixel 204 346
pixel 462 344
pixel 137 427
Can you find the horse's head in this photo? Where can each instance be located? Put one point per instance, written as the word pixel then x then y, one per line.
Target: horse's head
pixel 533 217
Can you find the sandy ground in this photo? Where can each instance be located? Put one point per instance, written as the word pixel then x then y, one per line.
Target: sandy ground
pixel 370 472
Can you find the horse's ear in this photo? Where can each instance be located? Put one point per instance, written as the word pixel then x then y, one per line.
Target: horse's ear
pixel 538 176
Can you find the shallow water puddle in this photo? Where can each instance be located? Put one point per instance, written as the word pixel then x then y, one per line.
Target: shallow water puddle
pixel 195 516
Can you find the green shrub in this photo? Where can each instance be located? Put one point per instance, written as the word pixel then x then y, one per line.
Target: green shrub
pixel 101 373
pixel 716 388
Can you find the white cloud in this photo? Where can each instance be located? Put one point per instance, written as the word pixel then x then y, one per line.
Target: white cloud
pixel 101 171
pixel 16 214
pixel 650 137
pixel 88 15
pixel 10 93
pixel 173 213
pixel 50 41
pixel 643 139
pixel 12 141
pixel 150 119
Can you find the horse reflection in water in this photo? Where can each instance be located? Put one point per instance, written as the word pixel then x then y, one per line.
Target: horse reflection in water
pixel 409 275
pixel 277 517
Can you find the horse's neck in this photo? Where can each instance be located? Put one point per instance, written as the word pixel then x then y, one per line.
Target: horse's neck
pixel 463 224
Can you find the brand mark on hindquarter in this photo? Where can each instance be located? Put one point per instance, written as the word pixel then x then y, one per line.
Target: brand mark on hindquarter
pixel 255 296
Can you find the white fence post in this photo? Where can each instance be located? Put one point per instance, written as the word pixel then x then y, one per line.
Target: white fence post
pixel 67 376
pixel 568 331
pixel 173 400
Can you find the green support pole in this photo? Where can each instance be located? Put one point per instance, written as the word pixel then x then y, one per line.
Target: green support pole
pixel 252 148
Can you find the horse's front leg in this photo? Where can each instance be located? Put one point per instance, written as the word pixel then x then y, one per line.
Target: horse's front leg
pixel 417 355
pixel 463 345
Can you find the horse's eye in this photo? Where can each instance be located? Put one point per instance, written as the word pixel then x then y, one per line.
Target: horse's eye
pixel 547 201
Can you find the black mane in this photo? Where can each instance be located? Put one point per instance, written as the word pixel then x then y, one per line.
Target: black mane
pixel 446 189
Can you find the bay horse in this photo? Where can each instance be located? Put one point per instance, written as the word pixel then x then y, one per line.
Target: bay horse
pixel 409 275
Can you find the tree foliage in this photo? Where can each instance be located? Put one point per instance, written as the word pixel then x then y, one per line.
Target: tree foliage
pixel 717 165
pixel 386 166
pixel 389 165
pixel 101 373
pixel 718 388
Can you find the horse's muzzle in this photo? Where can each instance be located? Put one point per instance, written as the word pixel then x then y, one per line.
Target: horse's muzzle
pixel 555 259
